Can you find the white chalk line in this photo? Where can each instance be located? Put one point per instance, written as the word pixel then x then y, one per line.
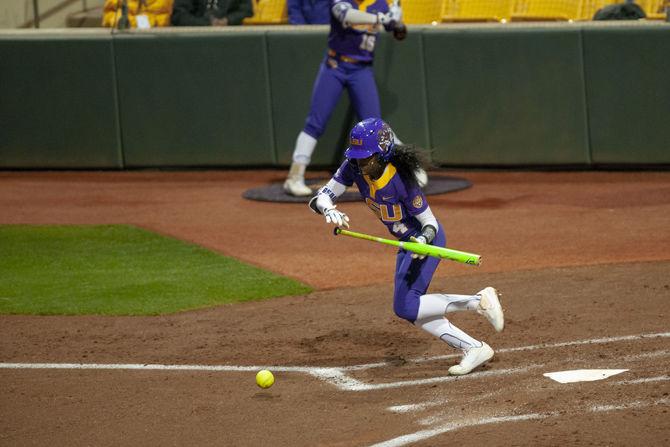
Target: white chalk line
pixel 429 433
pixel 651 354
pixel 155 367
pixel 334 375
pixel 593 341
pixel 431 420
pixel 642 380
pixel 344 382
pixel 347 383
pixel 517 349
pixel 628 406
pixel 417 407
pixel 422 406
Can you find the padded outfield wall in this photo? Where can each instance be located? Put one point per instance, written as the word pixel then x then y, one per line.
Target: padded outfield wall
pixel 583 94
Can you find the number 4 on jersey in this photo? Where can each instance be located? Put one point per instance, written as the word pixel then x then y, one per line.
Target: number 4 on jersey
pixel 399 228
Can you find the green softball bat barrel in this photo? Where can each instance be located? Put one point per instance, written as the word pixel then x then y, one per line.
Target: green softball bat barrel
pixel 421 249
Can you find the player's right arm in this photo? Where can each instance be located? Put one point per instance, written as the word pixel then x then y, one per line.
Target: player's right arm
pixel 324 201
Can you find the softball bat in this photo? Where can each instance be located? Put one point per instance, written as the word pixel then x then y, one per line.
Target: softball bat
pixel 421 249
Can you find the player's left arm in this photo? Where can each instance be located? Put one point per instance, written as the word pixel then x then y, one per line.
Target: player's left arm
pixel 429 226
pixel 349 16
pixel 416 205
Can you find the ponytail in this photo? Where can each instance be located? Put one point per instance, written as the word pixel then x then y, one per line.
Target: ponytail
pixel 408 159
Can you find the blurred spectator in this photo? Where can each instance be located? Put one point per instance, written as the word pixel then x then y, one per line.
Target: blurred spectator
pixel 210 12
pixel 621 11
pixel 140 13
pixel 308 12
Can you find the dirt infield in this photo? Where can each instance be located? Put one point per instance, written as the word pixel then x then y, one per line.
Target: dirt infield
pixel 581 258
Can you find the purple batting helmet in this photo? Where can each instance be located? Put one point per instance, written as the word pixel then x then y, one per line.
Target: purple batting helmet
pixel 368 137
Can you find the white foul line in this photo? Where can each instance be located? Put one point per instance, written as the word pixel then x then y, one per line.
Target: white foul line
pixel 336 376
pixel 153 367
pixel 425 434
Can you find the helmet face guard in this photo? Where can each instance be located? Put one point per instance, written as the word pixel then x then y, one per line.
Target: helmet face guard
pixel 369 137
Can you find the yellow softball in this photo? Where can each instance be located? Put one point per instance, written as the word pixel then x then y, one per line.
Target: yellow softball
pixel 264 378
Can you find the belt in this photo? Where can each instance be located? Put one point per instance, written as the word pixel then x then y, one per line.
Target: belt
pixel 347 59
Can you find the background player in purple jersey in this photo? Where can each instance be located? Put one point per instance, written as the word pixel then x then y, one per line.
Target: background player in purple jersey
pixel 347 64
pixel 384 173
pixel 308 12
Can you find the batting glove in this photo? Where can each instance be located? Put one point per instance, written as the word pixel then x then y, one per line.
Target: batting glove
pixel 396 13
pixel 337 218
pixel 387 20
pixel 418 240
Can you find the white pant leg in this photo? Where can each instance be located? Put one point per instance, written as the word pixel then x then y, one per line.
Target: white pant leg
pixel 304 148
pixel 447 332
pixel 438 304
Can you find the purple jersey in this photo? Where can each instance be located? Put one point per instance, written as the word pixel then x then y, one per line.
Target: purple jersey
pixel 388 197
pixel 357 41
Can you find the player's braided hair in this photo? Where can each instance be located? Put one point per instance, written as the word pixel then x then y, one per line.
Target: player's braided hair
pixel 408 159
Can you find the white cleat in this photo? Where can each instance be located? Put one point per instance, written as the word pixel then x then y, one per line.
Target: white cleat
pixel 490 307
pixel 473 358
pixel 295 186
pixel 421 177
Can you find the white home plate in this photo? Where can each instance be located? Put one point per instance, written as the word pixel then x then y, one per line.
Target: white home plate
pixel 583 375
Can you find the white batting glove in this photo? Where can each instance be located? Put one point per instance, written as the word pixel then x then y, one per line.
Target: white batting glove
pixel 387 20
pixel 418 240
pixel 337 218
pixel 396 13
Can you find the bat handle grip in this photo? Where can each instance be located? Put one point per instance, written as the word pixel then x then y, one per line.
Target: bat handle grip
pixel 337 230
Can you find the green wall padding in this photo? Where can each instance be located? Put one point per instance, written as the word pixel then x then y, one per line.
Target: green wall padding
pixel 477 95
pixel 194 99
pixel 295 57
pixel 399 71
pixel 57 102
pixel 628 91
pixel 506 97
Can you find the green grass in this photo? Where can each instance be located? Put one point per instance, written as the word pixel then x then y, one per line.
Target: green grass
pixel 121 270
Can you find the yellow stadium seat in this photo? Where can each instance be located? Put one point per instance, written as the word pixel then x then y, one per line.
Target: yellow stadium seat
pixel 268 12
pixel 654 9
pixel 421 11
pixel 476 10
pixel 547 10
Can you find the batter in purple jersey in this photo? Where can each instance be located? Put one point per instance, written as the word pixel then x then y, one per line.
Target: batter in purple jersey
pixel 384 173
pixel 347 64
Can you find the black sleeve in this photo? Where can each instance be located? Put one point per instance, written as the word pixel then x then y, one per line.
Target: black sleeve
pixel 239 9
pixel 184 14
